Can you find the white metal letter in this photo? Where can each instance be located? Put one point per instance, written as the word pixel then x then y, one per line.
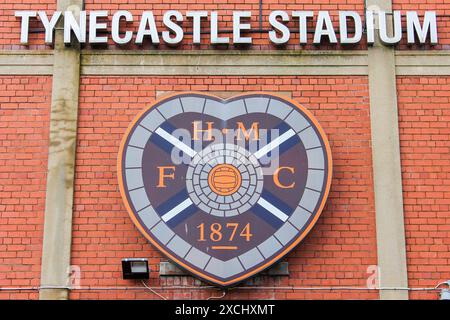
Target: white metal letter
pixel 370 27
pixel 324 20
pixel 147 19
pixel 214 30
pixel 397 28
pixel 238 27
pixel 25 24
pixel 429 26
pixel 282 28
pixel 115 28
pixel 71 24
pixel 94 25
pixel 196 24
pixel 174 27
pixel 49 26
pixel 343 29
pixel 303 25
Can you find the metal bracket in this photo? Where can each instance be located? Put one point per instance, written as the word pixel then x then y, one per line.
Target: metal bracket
pixel 170 269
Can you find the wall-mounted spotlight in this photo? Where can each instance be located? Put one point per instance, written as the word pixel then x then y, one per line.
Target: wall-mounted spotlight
pixel 135 268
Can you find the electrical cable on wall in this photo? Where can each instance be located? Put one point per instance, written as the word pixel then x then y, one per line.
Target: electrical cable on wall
pixel 337 288
pixel 153 291
pixel 218 297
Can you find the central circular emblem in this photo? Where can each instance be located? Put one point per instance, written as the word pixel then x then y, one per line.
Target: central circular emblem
pixel 224 179
pixel 224 188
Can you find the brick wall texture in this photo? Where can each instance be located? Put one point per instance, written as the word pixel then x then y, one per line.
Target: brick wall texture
pixel 340 250
pixel 24 120
pixel 424 111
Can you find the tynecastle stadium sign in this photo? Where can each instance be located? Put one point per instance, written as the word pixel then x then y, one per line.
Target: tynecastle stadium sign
pixel 93 27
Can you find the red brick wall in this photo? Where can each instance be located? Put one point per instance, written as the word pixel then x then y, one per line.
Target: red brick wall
pixel 336 253
pixel 339 249
pixel 24 120
pixel 442 9
pixel 424 115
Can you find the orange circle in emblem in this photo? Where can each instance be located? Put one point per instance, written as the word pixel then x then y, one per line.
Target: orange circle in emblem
pixel 224 179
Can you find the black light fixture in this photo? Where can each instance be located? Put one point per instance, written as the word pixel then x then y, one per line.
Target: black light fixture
pixel 135 268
